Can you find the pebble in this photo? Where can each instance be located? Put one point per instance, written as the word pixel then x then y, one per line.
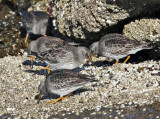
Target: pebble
pixel 118 84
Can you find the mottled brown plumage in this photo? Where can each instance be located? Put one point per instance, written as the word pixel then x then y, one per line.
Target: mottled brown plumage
pixel 66 57
pixel 45 43
pixel 63 82
pixel 36 22
pixel 116 46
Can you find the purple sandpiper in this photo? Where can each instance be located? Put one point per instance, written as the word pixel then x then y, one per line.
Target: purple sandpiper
pixel 63 82
pixel 116 46
pixel 36 22
pixel 43 44
pixel 66 57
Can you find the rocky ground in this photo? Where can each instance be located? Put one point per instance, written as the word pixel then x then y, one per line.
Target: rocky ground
pixel 129 90
pixel 122 86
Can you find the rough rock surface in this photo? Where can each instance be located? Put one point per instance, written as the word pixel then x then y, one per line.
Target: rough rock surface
pixel 83 19
pixel 18 5
pixel 11 42
pixel 145 30
pixel 122 84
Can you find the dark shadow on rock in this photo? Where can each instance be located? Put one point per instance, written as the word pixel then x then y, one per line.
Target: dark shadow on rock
pixel 23 32
pixel 47 97
pixel 38 72
pixel 54 96
pixel 101 63
pixel 36 63
pixel 139 57
pixel 2 45
pixel 118 28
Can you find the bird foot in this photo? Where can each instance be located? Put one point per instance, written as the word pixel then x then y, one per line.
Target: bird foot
pixel 53 102
pixel 39 98
pixel 114 63
pixel 61 98
pixel 47 67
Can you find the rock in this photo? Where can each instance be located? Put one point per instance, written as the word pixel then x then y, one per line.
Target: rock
pixel 41 5
pixel 145 30
pixel 18 5
pixel 83 19
pixel 121 84
pixel 11 42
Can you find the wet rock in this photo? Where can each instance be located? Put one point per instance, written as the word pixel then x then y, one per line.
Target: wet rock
pixel 145 30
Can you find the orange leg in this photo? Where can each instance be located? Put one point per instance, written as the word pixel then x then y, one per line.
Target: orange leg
pixel 61 98
pixel 53 102
pixel 39 98
pixel 32 58
pixel 26 39
pixel 47 67
pixel 114 63
pixel 117 61
pixel 67 96
pixel 126 59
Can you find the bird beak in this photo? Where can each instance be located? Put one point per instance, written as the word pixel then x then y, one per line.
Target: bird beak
pixel 39 98
pixel 90 57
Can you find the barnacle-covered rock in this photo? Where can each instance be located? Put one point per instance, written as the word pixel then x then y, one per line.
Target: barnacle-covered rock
pixel 18 5
pixel 145 30
pixel 10 41
pixel 40 5
pixel 84 18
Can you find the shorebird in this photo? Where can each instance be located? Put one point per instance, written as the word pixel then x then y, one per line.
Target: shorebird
pixel 63 82
pixel 66 57
pixel 36 22
pixel 116 46
pixel 43 44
